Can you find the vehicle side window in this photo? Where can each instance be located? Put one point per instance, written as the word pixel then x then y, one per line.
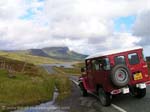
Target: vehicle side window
pixel 120 60
pixel 101 64
pixel 133 58
pixel 88 65
pixel 95 65
pixel 106 64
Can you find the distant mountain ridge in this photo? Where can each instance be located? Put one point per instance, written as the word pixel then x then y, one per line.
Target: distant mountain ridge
pixel 62 53
pixel 37 52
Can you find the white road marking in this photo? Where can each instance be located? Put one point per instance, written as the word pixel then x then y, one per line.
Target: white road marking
pixel 118 108
pixel 75 82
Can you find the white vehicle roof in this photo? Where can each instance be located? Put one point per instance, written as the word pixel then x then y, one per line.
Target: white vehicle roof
pixel 100 54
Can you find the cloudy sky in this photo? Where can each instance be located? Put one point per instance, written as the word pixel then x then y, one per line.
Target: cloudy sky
pixel 85 26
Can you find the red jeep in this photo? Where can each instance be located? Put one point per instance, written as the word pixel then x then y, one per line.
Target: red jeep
pixel 115 72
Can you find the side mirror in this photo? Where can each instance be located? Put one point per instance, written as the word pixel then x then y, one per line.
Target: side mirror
pixel 83 69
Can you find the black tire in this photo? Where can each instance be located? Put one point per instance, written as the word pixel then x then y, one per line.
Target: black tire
pixel 120 75
pixel 139 93
pixel 83 91
pixel 105 98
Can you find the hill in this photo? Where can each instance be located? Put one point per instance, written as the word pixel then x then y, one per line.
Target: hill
pixel 26 57
pixel 37 52
pixel 63 53
pixel 59 53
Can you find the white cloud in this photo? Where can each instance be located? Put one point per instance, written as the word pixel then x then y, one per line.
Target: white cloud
pixel 81 29
pixel 85 26
pixel 110 8
pixel 122 40
pixel 11 9
pixel 141 28
pixel 92 45
pixel 23 34
pixel 90 22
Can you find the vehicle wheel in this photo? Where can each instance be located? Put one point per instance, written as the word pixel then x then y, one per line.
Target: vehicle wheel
pixel 83 90
pixel 120 75
pixel 139 93
pixel 104 97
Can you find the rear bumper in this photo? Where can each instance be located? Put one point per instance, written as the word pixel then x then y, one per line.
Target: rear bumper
pixel 126 90
pixel 123 90
pixel 141 85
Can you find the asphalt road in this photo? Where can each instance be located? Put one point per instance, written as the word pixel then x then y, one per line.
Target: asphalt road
pixel 120 103
pixel 49 67
pixel 131 104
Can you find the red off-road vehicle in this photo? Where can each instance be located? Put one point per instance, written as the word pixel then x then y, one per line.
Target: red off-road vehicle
pixel 115 72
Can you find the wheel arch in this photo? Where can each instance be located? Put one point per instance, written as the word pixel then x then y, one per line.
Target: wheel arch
pixel 84 82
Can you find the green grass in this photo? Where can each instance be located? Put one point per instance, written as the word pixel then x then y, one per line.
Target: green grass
pixel 29 85
pixel 63 85
pixel 24 89
pixel 28 58
pixel 79 64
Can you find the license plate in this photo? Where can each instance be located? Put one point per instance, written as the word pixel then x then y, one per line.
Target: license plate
pixel 138 76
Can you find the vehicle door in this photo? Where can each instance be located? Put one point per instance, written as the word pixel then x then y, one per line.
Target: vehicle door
pixel 101 72
pixel 96 71
pixel 89 75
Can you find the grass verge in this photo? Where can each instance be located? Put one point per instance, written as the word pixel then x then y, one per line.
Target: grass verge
pixel 24 90
pixel 29 84
pixel 63 85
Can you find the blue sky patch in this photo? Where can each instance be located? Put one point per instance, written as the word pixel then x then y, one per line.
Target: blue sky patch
pixel 124 23
pixel 31 11
pixel 40 8
pixel 41 0
pixel 30 1
pixel 29 14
